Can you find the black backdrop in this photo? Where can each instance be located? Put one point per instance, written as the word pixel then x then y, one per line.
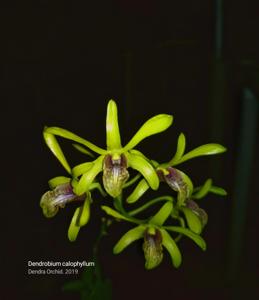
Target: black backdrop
pixel 61 64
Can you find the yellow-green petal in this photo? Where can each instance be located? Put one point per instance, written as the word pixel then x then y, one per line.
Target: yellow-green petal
pixel 162 215
pixel 81 169
pixel 53 144
pixel 88 177
pixel 195 237
pixel 138 163
pixel 204 190
pixel 128 238
pixel 71 136
pixel 82 149
pixel 54 182
pixel 172 248
pixel 181 143
pixel 193 220
pixel 207 149
pixel 139 191
pixel 73 229
pixel 84 214
pixel 153 126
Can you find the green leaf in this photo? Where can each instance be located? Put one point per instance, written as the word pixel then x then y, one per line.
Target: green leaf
pixel 140 189
pixel 81 169
pixel 111 212
pixel 180 149
pixel 84 214
pixel 203 191
pixel 154 125
pixel 73 229
pixel 113 139
pixel 82 149
pixel 207 149
pixel 55 149
pixel 195 237
pixel 218 190
pixel 71 136
pixel 128 238
pixel 145 168
pixel 162 215
pixel 88 177
pixel 172 248
pixel 192 219
pixel 54 182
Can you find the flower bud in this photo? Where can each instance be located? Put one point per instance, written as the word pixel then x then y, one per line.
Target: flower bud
pixel 115 174
pixel 51 201
pixel 152 247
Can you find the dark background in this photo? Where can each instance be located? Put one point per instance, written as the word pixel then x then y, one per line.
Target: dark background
pixel 61 64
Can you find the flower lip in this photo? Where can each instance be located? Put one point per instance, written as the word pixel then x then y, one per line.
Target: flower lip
pixel 115 173
pixel 51 201
pixel 152 248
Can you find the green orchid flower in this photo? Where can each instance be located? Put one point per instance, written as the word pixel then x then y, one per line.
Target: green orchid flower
pixel 176 179
pixel 62 193
pixel 113 161
pixel 155 235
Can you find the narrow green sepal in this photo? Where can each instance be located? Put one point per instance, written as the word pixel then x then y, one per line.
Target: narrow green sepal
pixel 88 177
pixel 192 219
pixel 73 229
pixel 153 126
pixel 162 215
pixel 113 139
pixel 71 136
pixel 145 168
pixel 195 237
pixel 172 248
pixel 181 143
pixel 138 192
pixel 207 149
pixel 54 182
pixel 53 144
pixel 84 214
pixel 128 238
pixel 204 190
pixel 81 169
pixel 218 191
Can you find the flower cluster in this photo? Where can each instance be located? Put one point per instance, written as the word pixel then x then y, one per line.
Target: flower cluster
pixel 179 215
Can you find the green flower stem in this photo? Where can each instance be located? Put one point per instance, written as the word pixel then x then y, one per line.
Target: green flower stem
pixel 182 224
pixel 97 185
pixel 150 203
pixel 132 181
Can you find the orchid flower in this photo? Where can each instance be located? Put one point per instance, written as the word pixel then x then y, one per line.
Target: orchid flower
pixel 115 159
pixel 156 236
